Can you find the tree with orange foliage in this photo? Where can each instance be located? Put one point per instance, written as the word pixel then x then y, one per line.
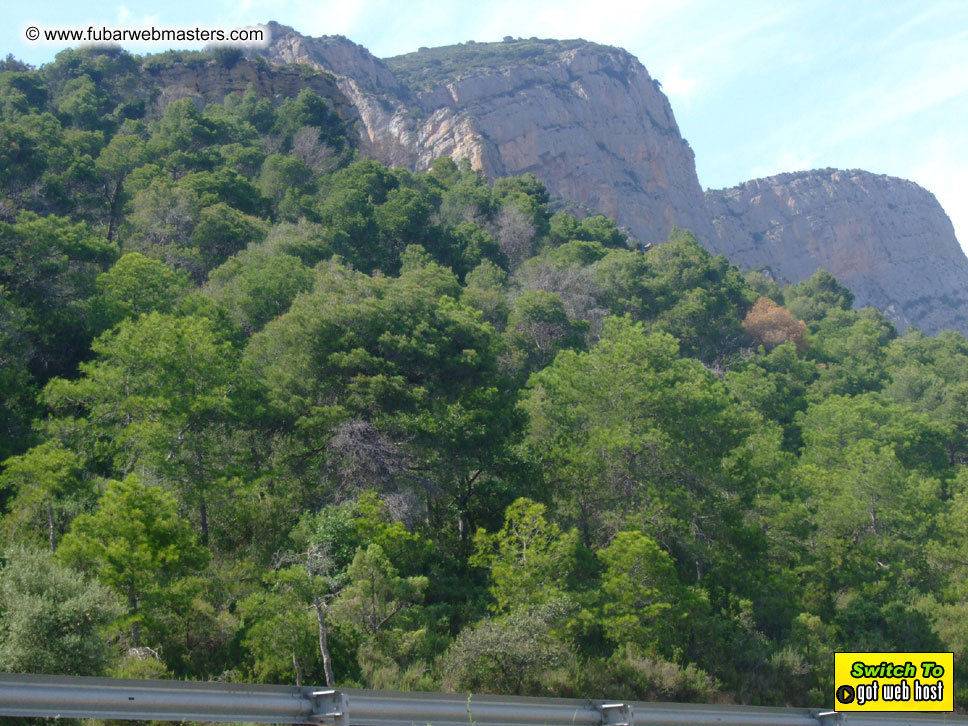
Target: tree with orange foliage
pixel 770 325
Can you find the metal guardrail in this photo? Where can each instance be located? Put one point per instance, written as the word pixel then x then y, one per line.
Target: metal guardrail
pixel 81 697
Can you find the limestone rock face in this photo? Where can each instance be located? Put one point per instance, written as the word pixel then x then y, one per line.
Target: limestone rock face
pixel 586 119
pixel 886 238
pixel 382 103
pixel 590 122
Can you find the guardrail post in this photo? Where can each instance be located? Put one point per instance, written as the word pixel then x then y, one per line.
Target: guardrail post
pixel 616 714
pixel 831 718
pixel 330 704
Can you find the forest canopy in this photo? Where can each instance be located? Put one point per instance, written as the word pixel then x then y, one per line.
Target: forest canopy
pixel 272 411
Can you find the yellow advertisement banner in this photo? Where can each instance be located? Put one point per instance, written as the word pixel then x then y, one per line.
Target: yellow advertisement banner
pixel 893 681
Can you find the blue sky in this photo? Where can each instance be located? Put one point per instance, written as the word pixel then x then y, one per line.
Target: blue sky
pixel 758 88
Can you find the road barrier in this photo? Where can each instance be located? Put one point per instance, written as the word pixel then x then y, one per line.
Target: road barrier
pixel 82 697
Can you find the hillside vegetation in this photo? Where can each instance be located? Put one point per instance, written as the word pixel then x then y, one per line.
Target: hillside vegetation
pixel 273 412
pixel 429 68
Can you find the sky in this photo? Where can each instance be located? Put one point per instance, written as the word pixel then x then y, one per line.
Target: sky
pixel 758 87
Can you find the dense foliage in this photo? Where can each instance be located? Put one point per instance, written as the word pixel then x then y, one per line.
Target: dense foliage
pixel 270 411
pixel 428 68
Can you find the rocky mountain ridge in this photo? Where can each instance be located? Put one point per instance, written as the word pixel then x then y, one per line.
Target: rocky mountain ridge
pixel 595 127
pixel 886 238
pixel 588 120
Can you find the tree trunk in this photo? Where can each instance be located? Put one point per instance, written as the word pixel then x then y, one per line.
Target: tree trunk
pixel 113 211
pixel 51 533
pixel 323 647
pixel 295 664
pixel 204 517
pixel 133 607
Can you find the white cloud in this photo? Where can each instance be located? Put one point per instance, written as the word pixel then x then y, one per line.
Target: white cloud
pixel 947 178
pixel 126 18
pixel 677 85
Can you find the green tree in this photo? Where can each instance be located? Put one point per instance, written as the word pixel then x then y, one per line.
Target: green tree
pixel 228 187
pixel 466 195
pixel 630 433
pixel 284 180
pixel 22 159
pixel 160 225
pixel 563 227
pixel 182 136
pixel 468 247
pixel 48 266
pixel 279 628
pixel 136 285
pixel 328 544
pixel 776 385
pixel 623 282
pixel 603 230
pixel 382 609
pixel 403 357
pixel 79 101
pixel 930 376
pixel 256 286
pixel 46 487
pixel 122 154
pixel 520 654
pixel 539 328
pixel 869 510
pixel 52 620
pixel 484 291
pixel 403 220
pixel 578 253
pixel 630 673
pixel 18 390
pixel 642 599
pixel 832 426
pixel 158 396
pixel 528 195
pixel 374 593
pixel 137 544
pixel 20 91
pixel 222 231
pixel 700 299
pixel 529 558
pixel 811 299
pixel 851 347
pixel 312 110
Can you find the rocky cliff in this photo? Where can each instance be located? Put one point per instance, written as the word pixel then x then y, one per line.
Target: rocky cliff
pixel 590 122
pixel 383 104
pixel 587 119
pixel 886 238
pixel 211 82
